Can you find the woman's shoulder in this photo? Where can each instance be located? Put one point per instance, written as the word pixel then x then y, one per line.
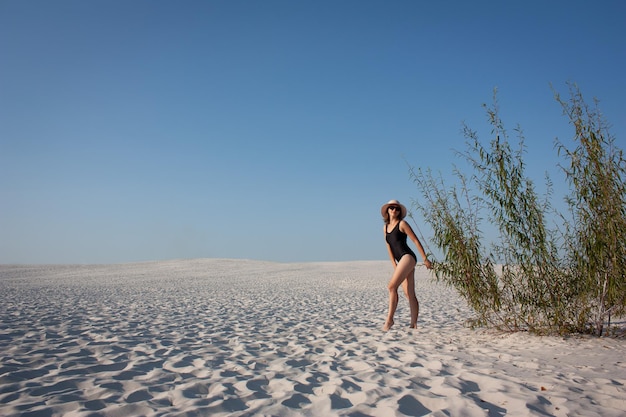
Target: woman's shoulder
pixel 404 225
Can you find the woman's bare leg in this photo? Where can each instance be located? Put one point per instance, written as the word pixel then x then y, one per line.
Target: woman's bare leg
pixel 408 285
pixel 403 268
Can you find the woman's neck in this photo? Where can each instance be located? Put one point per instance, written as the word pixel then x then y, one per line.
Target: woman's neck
pixel 393 222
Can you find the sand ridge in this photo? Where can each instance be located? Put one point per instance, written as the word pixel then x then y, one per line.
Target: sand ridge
pixel 225 337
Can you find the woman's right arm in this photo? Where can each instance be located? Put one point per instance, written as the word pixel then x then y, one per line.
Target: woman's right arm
pixel 393 261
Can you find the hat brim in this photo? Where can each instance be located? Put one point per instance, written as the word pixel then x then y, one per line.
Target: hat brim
pixel 403 210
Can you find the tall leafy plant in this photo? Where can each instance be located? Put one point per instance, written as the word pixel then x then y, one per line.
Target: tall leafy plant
pixel 596 171
pixel 551 281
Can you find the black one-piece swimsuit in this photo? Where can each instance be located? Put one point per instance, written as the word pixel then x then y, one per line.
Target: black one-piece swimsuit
pixel 397 241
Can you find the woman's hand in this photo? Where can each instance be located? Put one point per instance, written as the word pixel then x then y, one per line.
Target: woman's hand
pixel 428 264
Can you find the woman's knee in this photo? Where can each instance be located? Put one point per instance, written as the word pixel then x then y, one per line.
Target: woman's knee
pixel 407 292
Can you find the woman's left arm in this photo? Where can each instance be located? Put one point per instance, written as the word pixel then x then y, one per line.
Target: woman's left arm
pixel 407 230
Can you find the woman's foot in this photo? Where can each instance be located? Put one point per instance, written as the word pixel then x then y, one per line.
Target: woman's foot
pixel 387 325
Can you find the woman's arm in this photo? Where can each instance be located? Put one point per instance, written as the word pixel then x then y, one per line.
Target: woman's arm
pixel 393 261
pixel 407 230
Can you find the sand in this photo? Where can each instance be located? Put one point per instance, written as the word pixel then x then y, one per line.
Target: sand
pixel 218 337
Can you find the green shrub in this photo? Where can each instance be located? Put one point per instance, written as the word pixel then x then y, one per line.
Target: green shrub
pixel 596 250
pixel 552 280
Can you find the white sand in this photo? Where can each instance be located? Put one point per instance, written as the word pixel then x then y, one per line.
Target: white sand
pixel 235 338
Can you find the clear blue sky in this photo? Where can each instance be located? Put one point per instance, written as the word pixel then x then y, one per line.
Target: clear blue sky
pixel 275 130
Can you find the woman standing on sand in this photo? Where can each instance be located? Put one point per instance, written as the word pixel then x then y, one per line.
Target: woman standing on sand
pixel 403 259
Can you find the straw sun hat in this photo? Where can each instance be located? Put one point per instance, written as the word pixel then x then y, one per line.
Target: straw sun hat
pixel 383 209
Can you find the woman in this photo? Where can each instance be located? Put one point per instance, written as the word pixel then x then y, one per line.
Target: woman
pixel 403 259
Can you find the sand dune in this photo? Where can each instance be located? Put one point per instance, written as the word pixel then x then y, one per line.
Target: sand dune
pixel 237 338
